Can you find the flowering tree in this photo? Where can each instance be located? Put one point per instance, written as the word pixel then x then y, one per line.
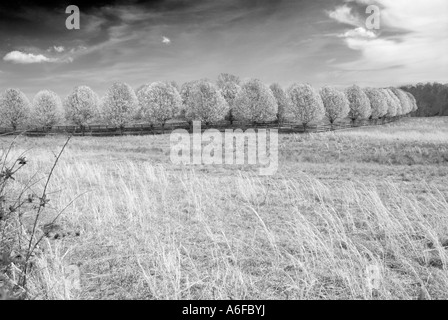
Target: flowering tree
pixel 15 108
pixel 396 101
pixel 138 114
pixel 47 108
pixel 335 103
pixel 306 104
pixel 378 102
pixel 119 105
pixel 229 86
pixel 175 85
pixel 282 102
pixel 412 101
pixel 359 103
pixel 185 95
pixel 82 106
pixel 392 105
pixel 159 102
pixel 185 91
pixel 203 102
pixel 255 103
pixel 404 100
pixel 224 78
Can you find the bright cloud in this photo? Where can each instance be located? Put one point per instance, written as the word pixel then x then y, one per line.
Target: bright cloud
pixel 417 41
pixel 343 14
pixel 166 40
pixel 25 58
pixel 360 33
pixel 59 49
pixel 19 57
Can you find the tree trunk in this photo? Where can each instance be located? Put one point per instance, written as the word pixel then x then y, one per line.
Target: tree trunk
pixel 231 117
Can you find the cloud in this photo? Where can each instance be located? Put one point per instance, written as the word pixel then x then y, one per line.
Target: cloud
pixel 343 14
pixel 59 49
pixel 78 49
pixel 19 57
pixel 166 40
pixel 413 34
pixel 359 33
pixel 25 58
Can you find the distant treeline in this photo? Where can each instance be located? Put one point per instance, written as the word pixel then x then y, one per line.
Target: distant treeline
pixel 227 98
pixel 432 99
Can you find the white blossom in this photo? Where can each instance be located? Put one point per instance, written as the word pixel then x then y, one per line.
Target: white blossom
pixel 230 86
pixel 203 101
pixel 403 99
pixel 47 109
pixel 175 85
pixel 185 94
pixel 335 103
pixel 119 105
pixel 359 103
pixel 283 102
pixel 392 104
pixel 229 91
pixel 15 108
pixel 82 106
pixel 396 101
pixel 255 103
pixel 224 78
pixel 378 102
pixel 306 104
pixel 412 101
pixel 159 102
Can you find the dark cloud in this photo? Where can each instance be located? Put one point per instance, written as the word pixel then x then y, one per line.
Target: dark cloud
pixel 37 24
pixel 276 41
pixel 123 40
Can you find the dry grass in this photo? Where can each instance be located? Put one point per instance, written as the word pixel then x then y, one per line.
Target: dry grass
pixel 339 203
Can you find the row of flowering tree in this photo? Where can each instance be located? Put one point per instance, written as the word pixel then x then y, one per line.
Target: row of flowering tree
pixel 202 100
pixel 16 110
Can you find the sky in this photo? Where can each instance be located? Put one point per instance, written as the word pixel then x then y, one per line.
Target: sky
pixel 321 42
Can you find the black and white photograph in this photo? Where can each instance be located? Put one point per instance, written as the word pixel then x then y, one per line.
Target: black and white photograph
pixel 224 155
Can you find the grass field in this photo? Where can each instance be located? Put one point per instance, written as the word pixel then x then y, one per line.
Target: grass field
pixel 339 203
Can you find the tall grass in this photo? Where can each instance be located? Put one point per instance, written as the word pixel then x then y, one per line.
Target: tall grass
pixel 154 234
pixel 151 230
